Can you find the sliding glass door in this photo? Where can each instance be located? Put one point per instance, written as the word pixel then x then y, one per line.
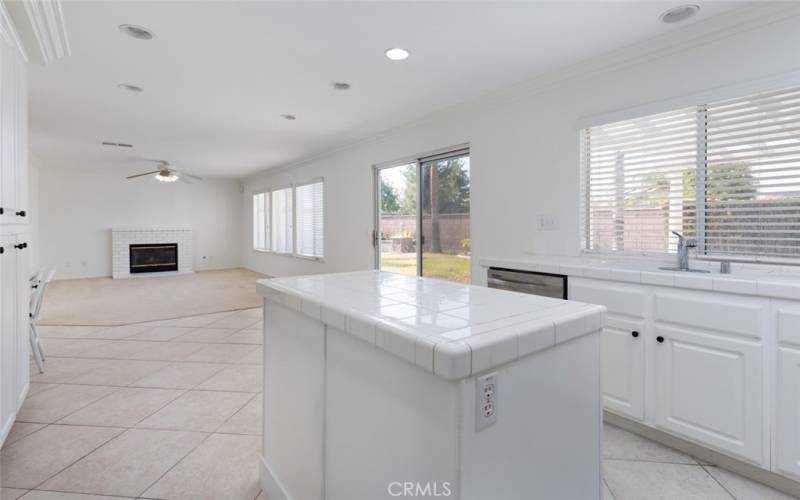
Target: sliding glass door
pixel 396 232
pixel 423 217
pixel 445 218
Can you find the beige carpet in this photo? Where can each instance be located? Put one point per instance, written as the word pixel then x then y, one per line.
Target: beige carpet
pixel 105 301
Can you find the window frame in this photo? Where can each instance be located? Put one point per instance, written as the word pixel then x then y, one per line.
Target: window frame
pixel 700 102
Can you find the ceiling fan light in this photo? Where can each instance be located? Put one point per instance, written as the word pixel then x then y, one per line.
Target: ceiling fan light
pixel 166 177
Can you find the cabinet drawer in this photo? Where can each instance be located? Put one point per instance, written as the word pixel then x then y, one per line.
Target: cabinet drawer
pixel 739 315
pixel 789 324
pixel 618 299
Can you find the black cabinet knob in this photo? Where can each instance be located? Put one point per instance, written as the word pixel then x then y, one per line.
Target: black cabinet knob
pixel 635 334
pixel 21 213
pixel 659 339
pixel 1 210
pixel 2 250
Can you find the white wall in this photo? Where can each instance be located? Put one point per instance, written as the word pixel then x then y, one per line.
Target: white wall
pixel 525 142
pixel 76 211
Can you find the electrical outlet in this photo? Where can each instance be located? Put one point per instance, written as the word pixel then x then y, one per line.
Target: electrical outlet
pixel 485 401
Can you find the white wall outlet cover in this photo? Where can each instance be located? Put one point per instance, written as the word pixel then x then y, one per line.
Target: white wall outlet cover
pixel 485 401
pixel 546 222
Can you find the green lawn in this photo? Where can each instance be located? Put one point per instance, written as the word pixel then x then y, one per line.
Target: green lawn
pixel 434 265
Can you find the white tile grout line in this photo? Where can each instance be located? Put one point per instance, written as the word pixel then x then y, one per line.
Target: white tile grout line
pixel 613 497
pixel 718 482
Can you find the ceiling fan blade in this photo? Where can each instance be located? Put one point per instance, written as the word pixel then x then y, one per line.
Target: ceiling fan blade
pixel 142 175
pixel 192 176
pixel 184 179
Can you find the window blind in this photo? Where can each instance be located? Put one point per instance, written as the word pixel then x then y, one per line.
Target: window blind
pixel 637 182
pixel 727 173
pixel 282 235
pixel 309 220
pixel 753 175
pixel 261 221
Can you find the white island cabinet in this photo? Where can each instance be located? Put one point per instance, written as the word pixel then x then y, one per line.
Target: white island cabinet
pixel 379 385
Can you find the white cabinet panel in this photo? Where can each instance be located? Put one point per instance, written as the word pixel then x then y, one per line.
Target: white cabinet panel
pixel 13 137
pixel 713 311
pixel 622 349
pixel 623 367
pixel 22 331
pixel 787 435
pixel 624 299
pixel 789 323
pixel 709 388
pixel 8 336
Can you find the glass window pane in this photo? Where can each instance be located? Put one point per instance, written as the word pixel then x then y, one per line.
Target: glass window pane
pixel 445 206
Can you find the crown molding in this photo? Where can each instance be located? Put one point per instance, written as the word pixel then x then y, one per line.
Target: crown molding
pixel 8 32
pixel 47 24
pixel 751 16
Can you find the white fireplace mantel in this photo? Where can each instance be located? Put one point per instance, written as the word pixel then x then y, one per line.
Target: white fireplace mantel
pixel 123 237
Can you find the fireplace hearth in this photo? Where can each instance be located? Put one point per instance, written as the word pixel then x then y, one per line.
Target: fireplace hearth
pixel 153 257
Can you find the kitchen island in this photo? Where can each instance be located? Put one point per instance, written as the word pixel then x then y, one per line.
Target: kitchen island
pixel 380 385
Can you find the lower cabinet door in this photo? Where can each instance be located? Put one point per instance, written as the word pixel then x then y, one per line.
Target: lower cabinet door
pixel 623 367
pixel 709 389
pixel 8 333
pixel 787 434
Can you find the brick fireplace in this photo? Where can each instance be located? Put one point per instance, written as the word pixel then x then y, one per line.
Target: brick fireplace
pixel 141 251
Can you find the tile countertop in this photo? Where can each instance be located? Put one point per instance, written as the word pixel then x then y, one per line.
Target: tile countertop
pixel 748 279
pixel 448 329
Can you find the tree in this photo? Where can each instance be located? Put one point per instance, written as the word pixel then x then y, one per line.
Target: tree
pixel 390 202
pixel 446 184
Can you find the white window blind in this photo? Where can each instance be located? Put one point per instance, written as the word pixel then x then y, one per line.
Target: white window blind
pixel 261 221
pixel 740 158
pixel 309 220
pixel 282 234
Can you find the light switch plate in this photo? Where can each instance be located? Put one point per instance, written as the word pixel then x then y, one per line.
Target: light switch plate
pixel 485 401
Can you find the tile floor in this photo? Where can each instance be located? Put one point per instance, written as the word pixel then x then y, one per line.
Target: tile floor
pixel 164 410
pixel 172 410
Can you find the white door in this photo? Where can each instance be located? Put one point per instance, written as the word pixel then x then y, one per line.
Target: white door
pixel 787 435
pixel 8 332
pixel 709 389
pixel 623 367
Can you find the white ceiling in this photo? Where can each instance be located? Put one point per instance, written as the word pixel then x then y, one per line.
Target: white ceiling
pixel 218 75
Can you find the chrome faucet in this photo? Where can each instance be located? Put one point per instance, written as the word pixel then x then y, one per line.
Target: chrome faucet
pixel 684 244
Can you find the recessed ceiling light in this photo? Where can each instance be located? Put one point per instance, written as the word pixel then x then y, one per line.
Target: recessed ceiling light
pixel 130 88
pixel 396 54
pixel 289 117
pixel 139 32
pixel 678 14
pixel 341 85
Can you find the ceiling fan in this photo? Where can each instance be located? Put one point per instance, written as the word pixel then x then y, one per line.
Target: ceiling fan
pixel 167 173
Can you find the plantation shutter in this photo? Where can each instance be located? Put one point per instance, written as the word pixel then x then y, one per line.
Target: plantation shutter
pixel 638 182
pixel 310 220
pixel 261 221
pixel 282 232
pixel 753 175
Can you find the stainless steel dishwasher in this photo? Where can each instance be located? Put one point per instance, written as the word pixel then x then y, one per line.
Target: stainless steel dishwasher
pixel 544 284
